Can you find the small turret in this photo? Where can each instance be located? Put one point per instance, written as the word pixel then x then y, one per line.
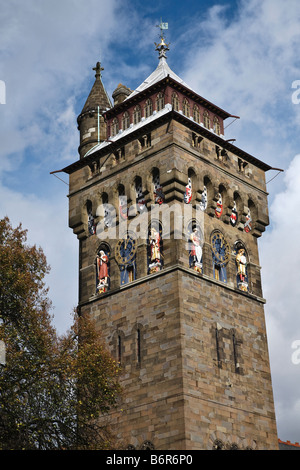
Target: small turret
pixel 90 121
pixel 120 94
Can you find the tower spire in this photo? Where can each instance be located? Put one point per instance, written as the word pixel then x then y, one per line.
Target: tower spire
pixel 162 47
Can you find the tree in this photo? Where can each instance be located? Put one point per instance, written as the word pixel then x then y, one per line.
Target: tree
pixel 53 389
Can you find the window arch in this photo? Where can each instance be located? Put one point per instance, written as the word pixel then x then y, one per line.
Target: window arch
pixel 250 216
pixel 139 195
pixel 159 196
pixel 137 114
pixel 196 114
pixel 206 122
pixel 118 343
pixel 122 202
pixel 160 101
pixel 125 120
pixel 186 107
pixel 175 101
pixel 148 108
pixel 216 126
pixel 115 127
pixel 91 220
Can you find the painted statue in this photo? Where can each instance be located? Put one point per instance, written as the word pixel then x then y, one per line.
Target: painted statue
pixel 248 223
pixel 203 203
pixel 234 215
pixel 196 250
pixel 155 250
pixel 188 192
pixel 102 272
pixel 123 207
pixel 241 262
pixel 91 223
pixel 219 208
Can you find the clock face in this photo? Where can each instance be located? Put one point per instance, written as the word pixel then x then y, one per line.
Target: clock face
pixel 220 248
pixel 125 249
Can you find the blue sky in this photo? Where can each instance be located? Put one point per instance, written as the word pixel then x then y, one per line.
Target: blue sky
pixel 241 55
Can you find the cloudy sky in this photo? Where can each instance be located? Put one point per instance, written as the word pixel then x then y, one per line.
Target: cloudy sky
pixel 241 55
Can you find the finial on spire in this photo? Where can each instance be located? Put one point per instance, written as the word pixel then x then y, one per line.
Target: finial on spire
pixel 98 69
pixel 162 47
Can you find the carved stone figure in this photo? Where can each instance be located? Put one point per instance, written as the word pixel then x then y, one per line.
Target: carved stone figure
pixel 102 271
pixel 241 262
pixel 196 250
pixel 155 250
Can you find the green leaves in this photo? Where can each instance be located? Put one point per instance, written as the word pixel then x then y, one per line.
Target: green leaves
pixel 53 390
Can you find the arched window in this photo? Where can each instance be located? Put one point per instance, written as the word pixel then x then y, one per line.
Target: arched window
pixel 137 114
pixel 109 213
pixel 160 101
pixel 140 200
pixel 119 349
pixel 159 196
pixel 206 120
pixel 115 127
pixel 250 217
pixel 196 114
pixel 216 125
pixel 148 108
pixel 186 107
pixel 123 210
pixel 175 102
pixel 91 220
pixel 125 120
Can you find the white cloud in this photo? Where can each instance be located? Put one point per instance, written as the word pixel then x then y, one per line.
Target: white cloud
pixel 46 53
pixel 46 222
pixel 280 260
pixel 247 66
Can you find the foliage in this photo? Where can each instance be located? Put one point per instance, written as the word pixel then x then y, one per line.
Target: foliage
pixel 52 389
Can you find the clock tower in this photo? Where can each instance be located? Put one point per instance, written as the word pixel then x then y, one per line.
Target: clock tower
pixel 168 212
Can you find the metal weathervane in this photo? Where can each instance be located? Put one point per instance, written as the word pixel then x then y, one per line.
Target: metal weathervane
pixel 162 27
pixel 162 47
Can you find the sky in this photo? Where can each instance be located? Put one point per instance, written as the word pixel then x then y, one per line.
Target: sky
pixel 241 55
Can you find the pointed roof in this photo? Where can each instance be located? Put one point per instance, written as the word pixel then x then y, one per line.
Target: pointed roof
pixel 162 71
pixel 98 95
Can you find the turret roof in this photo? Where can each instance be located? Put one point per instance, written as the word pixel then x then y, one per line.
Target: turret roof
pixel 98 95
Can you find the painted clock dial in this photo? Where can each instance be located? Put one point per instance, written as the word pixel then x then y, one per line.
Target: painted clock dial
pixel 220 248
pixel 126 249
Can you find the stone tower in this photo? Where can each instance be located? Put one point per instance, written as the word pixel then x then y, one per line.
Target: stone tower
pixel 167 213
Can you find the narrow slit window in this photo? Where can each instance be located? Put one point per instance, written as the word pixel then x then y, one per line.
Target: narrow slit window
pixel 235 355
pixel 138 345
pixel 119 352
